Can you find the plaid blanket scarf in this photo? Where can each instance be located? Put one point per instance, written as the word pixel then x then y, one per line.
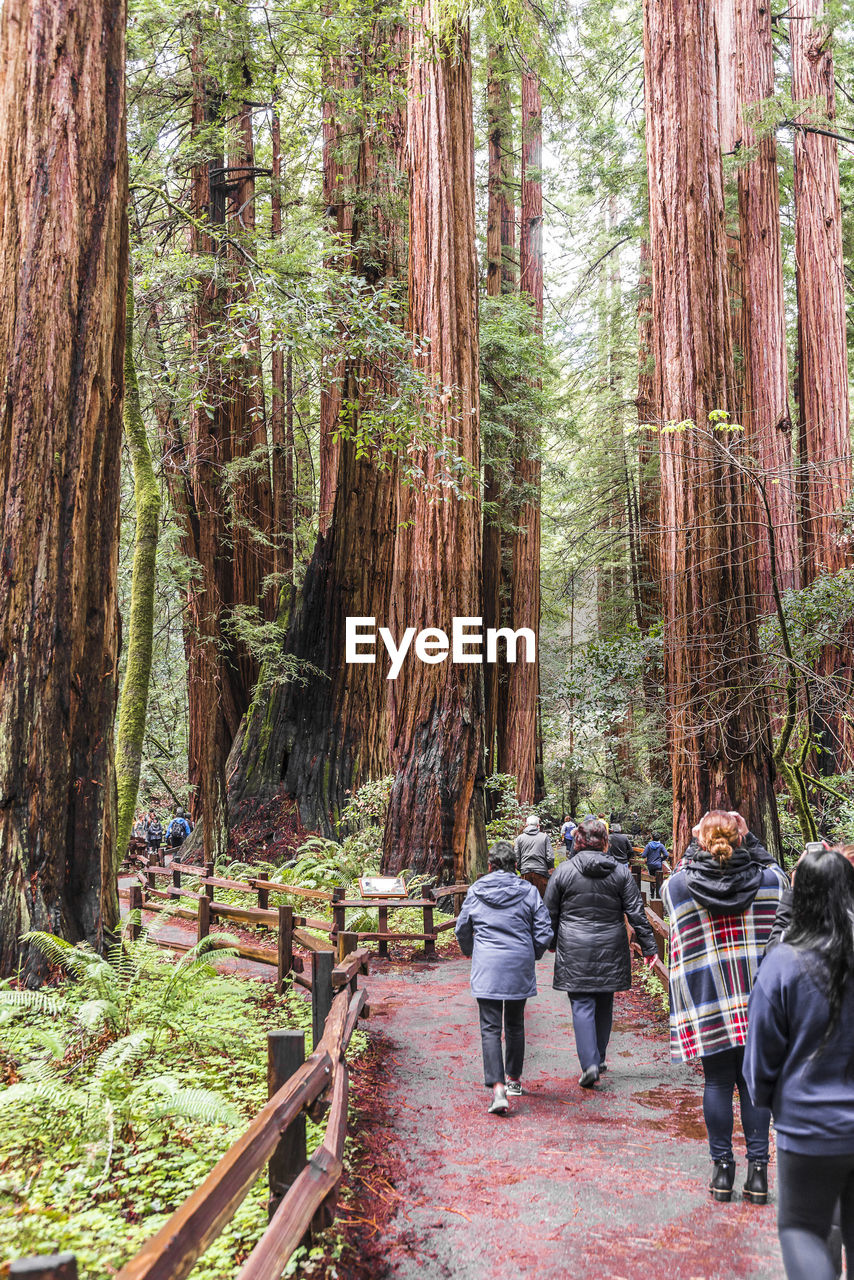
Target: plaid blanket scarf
pixel 713 963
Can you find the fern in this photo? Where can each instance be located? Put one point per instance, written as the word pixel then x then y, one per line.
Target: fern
pixel 170 1099
pixel 36 1001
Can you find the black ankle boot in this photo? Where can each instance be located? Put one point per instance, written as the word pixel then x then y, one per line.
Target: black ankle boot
pixel 723 1176
pixel 756 1186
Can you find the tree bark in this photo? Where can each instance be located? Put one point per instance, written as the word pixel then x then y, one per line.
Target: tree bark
pixel 765 411
pixel 323 737
pixel 63 247
pixel 134 701
pixel 436 821
pixel 718 734
pixel 824 429
pixel 281 406
pixel 648 572
pixel 518 745
pixel 500 279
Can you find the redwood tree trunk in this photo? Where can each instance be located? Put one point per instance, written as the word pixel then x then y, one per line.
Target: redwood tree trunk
pixel 765 411
pixel 435 822
pixel 281 406
pixel 519 755
pixel 62 325
pixel 824 441
pixel 648 570
pixel 500 278
pixel 325 736
pixel 718 734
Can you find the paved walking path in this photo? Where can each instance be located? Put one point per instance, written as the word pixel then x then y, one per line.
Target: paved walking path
pixel 607 1184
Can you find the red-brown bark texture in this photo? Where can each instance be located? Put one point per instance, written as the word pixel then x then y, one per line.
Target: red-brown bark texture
pixel 322 737
pixel 518 725
pixel 717 726
pixel 765 410
pixel 62 324
pixel 436 821
pixel 824 429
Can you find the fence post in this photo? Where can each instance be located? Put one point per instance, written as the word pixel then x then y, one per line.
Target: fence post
pixel 149 874
pixel 430 942
pixel 285 947
pixel 263 896
pixel 382 915
pixel 204 919
pixel 176 878
pixel 209 870
pixel 339 913
pixel 347 944
pixel 285 1055
pixel 135 904
pixel 322 964
pixel 59 1266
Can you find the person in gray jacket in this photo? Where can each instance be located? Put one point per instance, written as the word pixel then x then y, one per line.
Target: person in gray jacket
pixel 534 857
pixel 504 927
pixel 586 899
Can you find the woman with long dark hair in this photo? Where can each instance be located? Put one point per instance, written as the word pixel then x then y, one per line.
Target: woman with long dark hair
pixel 587 898
pixel 721 903
pixel 799 1061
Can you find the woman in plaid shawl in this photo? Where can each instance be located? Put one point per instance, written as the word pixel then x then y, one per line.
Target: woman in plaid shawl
pixel 721 904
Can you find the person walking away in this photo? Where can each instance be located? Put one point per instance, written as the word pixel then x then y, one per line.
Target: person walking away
pixel 153 833
pixel 655 856
pixel 534 857
pixel 619 843
pixel 799 1061
pixel 504 927
pixel 721 905
pixel 586 899
pixel 178 830
pixel 749 842
pixel 567 831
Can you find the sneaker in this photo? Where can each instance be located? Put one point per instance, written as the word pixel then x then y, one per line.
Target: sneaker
pixel 499 1105
pixel 603 1066
pixel 588 1078
pixel 723 1176
pixel 514 1088
pixel 756 1187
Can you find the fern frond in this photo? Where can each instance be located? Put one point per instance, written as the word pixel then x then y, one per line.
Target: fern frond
pixel 121 1053
pixel 58 1095
pixel 94 1015
pixel 38 1001
pixel 167 1098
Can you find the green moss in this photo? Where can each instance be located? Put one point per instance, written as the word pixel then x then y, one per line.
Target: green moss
pixel 134 701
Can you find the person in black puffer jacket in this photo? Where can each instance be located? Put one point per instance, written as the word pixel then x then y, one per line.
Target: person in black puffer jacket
pixel 587 898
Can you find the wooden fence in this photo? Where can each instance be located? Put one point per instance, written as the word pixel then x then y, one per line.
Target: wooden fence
pixel 303 1190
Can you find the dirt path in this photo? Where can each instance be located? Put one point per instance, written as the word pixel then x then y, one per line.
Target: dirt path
pixel 596 1185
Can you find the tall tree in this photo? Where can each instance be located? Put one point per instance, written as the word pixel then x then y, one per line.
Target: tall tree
pixel 500 279
pixel 326 735
pixel 436 820
pixel 765 410
pixel 519 740
pixel 63 248
pixel 647 571
pixel 718 734
pixel 824 443
pixel 140 641
pixel 282 400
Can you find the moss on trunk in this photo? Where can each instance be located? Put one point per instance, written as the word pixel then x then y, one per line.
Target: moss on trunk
pixel 134 704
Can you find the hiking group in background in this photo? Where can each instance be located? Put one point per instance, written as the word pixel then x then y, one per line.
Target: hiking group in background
pixel 149 828
pixel 761 993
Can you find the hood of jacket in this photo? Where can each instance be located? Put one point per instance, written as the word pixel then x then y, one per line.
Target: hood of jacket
pixel 594 863
pixel 500 889
pixel 725 889
pixel 532 828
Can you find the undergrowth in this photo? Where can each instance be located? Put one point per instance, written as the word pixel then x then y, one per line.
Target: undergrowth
pixel 120 1087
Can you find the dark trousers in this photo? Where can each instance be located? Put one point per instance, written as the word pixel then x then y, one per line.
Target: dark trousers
pixel 808 1188
pixel 533 877
pixel 592 1016
pixel 723 1072
pixel 492 1014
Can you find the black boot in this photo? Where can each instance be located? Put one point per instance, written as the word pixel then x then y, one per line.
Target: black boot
pixel 756 1186
pixel 723 1176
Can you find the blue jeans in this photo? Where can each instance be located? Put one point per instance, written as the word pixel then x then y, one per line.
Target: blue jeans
pixel 723 1073
pixel 592 1015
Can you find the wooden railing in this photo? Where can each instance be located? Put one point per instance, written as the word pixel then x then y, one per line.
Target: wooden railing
pixel 303 1190
pixel 200 906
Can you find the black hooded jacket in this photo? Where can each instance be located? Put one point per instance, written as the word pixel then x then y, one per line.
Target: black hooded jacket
pixel 586 899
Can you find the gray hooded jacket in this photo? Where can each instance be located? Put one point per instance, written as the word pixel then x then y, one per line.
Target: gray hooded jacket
pixel 504 927
pixel 534 851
